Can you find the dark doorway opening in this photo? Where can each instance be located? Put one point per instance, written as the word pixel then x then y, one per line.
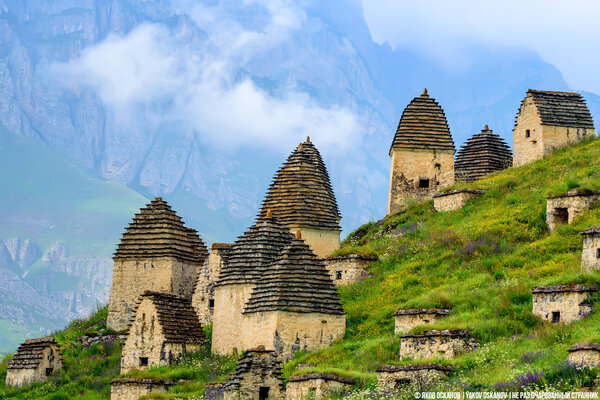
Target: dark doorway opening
pixel 263 393
pixel 597 253
pixel 49 371
pixel 402 383
pixel 143 361
pixel 561 216
pixel 338 275
pixel 555 317
pixel 211 303
pixel 423 183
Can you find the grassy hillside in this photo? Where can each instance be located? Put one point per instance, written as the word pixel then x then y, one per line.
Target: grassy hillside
pixel 481 261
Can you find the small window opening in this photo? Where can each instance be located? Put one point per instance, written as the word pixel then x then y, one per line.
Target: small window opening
pixel 211 303
pixel 338 275
pixel 527 133
pixel 49 371
pixel 597 253
pixel 438 166
pixel 143 361
pixel 561 215
pixel 555 317
pixel 402 383
pixel 423 183
pixel 263 393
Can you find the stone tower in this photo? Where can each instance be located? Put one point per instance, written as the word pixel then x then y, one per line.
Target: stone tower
pixel 246 261
pixel 294 306
pixel 301 198
pixel 203 299
pixel 422 153
pixel 157 253
pixel 482 154
pixel 547 121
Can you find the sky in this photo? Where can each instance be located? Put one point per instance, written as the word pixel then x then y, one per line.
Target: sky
pixel 564 33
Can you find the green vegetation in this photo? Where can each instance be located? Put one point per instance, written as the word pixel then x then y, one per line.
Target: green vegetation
pixel 481 261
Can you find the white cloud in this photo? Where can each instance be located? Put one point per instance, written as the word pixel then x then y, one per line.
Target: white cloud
pixel 199 84
pixel 564 33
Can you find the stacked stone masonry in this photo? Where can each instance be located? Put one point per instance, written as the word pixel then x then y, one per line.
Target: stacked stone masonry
pixel 408 318
pixel 164 328
pixel 590 256
pixel 547 121
pixel 257 377
pixel 301 197
pixel 454 199
pixel 562 303
pixel 203 299
pixel 157 252
pixel 34 361
pixel 585 353
pixel 317 386
pixel 417 376
pixel 214 391
pixel 134 388
pixel 422 154
pixel 484 153
pixel 436 344
pixel 348 269
pixel 565 208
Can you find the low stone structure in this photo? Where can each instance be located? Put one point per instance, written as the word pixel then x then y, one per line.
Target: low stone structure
pixel 349 268
pixel 106 338
pixel 317 386
pixel 590 256
pixel 134 388
pixel 397 377
pixel 562 303
pixel 203 299
pixel 481 155
pixel 257 377
pixel 35 361
pixel 214 391
pixel 164 328
pixel 408 318
pixel 454 199
pixel 433 344
pixel 565 208
pixel 585 353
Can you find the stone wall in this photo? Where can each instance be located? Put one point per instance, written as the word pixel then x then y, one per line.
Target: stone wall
pixel 570 305
pixel 436 344
pixel 407 167
pixel 23 377
pixel 257 370
pixel 574 202
pixel 348 269
pixel 454 200
pixel 288 333
pixel 133 277
pixel 214 391
pixel 317 386
pixel 585 353
pixel 228 334
pixel 421 376
pixel 134 388
pixel 146 339
pixel 321 242
pixel 590 260
pixel 50 362
pixel 204 292
pixel 407 320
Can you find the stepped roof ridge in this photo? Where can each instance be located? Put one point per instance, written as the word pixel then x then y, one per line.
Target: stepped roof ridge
pixel 297 281
pixel 300 195
pixel 254 251
pixel 482 154
pixel 29 354
pixel 157 231
pixel 560 108
pixel 257 359
pixel 423 125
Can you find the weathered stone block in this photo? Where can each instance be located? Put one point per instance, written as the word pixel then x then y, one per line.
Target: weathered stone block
pixel 433 344
pixel 454 199
pixel 565 208
pixel 257 377
pixel 317 386
pixel 35 361
pixel 408 318
pixel 214 391
pixel 134 388
pixel 585 353
pixel 397 377
pixel 348 269
pixel 562 303
pixel 203 299
pixel 590 256
pixel 228 334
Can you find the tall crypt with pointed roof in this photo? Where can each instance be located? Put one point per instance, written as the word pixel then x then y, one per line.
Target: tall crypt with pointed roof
pixel 484 153
pixel 547 121
pixel 422 153
pixel 301 197
pixel 158 253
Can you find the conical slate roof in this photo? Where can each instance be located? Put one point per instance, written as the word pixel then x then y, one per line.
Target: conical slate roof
pixel 300 194
pixel 482 154
pixel 296 282
pixel 254 251
pixel 561 109
pixel 157 231
pixel 29 354
pixel 423 125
